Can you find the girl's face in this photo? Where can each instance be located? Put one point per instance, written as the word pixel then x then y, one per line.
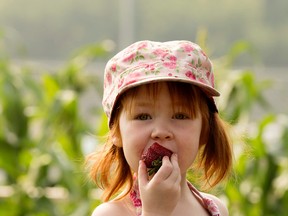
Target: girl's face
pixel 157 118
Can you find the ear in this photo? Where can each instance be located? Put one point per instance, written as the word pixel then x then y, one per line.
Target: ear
pixel 116 141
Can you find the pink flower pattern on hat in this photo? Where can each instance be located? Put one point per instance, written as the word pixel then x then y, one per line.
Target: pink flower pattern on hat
pixel 149 61
pixel 188 48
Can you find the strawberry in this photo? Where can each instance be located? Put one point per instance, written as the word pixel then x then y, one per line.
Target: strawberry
pixel 153 157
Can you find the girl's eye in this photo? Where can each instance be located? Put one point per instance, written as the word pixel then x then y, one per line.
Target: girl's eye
pixel 143 116
pixel 180 116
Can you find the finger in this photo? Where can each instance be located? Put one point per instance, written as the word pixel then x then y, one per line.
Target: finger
pixel 165 170
pixel 176 174
pixel 174 161
pixel 142 173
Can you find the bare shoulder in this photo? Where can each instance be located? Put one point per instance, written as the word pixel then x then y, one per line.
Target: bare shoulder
pixel 109 208
pixel 222 207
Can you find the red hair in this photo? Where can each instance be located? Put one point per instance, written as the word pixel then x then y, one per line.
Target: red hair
pixel 110 170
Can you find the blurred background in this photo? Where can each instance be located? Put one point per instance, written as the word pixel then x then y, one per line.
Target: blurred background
pixel 52 57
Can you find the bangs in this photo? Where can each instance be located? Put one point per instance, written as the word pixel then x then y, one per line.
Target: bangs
pixel 186 97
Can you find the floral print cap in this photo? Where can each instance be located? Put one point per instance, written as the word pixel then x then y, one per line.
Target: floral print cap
pixel 148 61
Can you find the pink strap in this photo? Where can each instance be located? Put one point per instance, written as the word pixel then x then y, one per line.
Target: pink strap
pixel 207 203
pixel 135 198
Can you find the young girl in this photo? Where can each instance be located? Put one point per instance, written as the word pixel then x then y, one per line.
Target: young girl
pixel 161 93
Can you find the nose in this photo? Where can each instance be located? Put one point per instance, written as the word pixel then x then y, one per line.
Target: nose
pixel 161 131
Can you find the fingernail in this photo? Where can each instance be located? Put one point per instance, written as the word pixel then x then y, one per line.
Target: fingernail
pixel 141 163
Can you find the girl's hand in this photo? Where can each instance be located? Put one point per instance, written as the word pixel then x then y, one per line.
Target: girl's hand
pixel 160 195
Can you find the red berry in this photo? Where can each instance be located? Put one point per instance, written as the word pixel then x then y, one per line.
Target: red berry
pixel 153 157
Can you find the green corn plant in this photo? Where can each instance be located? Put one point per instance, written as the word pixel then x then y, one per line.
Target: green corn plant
pixel 41 137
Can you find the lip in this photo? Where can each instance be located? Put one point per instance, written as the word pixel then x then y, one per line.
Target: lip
pixel 157 143
pixel 146 149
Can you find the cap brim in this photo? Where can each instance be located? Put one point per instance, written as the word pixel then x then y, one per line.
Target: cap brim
pixel 211 92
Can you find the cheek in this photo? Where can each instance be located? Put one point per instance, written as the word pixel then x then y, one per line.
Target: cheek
pixel 132 153
pixel 188 155
pixel 189 147
pixel 132 146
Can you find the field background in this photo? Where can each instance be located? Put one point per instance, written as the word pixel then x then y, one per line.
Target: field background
pixel 52 56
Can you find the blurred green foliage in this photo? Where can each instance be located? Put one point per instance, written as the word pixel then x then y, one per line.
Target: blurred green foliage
pixel 42 139
pixel 260 182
